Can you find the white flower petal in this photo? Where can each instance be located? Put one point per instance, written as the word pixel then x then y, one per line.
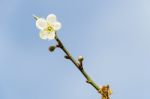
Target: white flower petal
pixel 51 18
pixel 56 26
pixel 43 35
pixel 41 23
pixel 51 36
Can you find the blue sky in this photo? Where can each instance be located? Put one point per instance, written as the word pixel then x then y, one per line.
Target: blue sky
pixel 112 35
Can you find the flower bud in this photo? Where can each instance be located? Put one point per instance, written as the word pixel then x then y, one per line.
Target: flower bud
pixel 80 58
pixel 105 90
pixel 52 48
pixel 66 57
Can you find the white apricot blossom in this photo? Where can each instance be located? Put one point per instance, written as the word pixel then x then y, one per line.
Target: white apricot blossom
pixel 48 26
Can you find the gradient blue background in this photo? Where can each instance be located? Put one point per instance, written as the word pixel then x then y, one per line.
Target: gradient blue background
pixel 112 35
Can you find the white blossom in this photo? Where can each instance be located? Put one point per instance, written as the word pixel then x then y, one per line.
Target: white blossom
pixel 48 26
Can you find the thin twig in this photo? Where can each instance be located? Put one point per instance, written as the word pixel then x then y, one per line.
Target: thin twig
pixel 104 90
pixel 88 78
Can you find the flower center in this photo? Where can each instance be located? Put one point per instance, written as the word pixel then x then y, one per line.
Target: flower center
pixel 50 29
